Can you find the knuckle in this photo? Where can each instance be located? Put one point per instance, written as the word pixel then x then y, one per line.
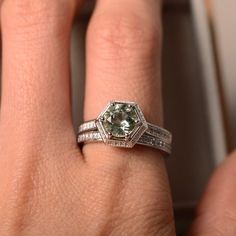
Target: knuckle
pixel 29 190
pixel 123 35
pixel 146 220
pixel 143 216
pixel 25 17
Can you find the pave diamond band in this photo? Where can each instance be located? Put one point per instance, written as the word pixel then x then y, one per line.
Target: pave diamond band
pixel 122 124
pixel 146 140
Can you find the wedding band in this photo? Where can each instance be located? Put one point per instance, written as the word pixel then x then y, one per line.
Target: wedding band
pixel 122 124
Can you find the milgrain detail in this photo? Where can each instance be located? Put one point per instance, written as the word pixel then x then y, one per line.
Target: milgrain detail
pixel 159 132
pixel 91 136
pixel 145 140
pixel 87 126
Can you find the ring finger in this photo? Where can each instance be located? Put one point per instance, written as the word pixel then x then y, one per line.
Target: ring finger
pixel 123 63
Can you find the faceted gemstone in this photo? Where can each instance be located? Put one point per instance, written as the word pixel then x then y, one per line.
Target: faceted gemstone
pixel 120 119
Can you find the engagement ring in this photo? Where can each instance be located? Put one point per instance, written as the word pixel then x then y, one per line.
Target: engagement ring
pixel 122 124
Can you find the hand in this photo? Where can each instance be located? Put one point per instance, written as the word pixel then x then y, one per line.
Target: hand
pixel 48 186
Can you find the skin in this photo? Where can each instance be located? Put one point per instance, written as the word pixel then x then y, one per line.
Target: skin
pixel 48 186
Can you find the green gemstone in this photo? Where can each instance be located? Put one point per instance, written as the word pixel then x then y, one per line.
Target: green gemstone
pixel 120 120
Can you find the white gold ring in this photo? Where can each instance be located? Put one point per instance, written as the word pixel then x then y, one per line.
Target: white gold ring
pixel 122 124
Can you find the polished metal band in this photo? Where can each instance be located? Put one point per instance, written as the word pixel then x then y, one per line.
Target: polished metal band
pixel 155 136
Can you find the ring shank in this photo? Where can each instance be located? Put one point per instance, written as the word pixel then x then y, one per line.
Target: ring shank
pixel 145 140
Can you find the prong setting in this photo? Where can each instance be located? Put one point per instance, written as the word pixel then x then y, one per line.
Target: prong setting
pixel 109 135
pixel 127 137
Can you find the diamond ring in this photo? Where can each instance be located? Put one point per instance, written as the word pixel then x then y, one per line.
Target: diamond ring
pixel 122 124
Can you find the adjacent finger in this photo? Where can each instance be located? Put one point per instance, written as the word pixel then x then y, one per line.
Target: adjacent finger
pixel 216 213
pixel 36 70
pixel 123 62
pixel 36 135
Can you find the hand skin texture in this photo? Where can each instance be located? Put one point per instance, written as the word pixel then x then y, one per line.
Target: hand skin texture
pixel 50 187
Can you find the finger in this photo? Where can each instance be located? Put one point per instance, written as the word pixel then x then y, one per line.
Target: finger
pixel 0 51
pixel 36 87
pixel 124 56
pixel 123 62
pixel 216 213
